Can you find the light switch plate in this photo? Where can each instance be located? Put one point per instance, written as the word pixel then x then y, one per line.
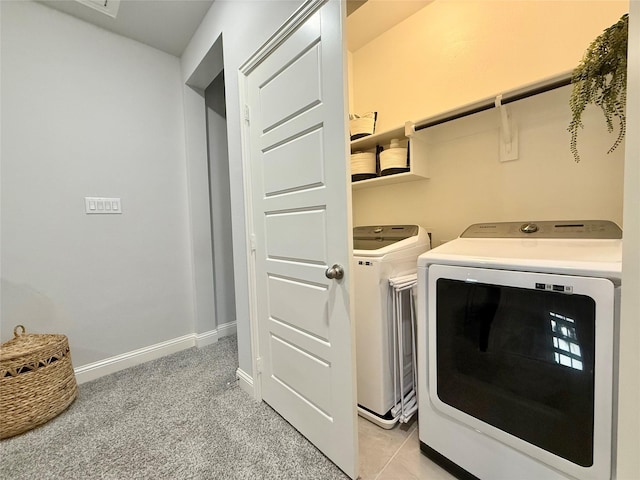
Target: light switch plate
pixel 102 205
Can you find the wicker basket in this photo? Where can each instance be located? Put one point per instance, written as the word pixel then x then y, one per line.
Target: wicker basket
pixel 37 381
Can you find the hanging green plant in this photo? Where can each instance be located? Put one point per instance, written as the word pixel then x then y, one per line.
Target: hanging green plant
pixel 601 79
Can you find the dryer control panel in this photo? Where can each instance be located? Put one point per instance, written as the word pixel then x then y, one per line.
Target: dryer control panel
pixel 587 229
pixel 377 236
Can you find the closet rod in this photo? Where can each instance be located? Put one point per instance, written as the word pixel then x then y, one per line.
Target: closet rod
pixel 515 95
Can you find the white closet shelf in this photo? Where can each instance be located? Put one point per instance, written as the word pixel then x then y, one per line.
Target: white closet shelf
pixel 417 156
pixel 387 180
pixel 418 144
pixel 369 142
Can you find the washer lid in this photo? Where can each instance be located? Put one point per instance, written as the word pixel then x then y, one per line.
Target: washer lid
pixel 375 237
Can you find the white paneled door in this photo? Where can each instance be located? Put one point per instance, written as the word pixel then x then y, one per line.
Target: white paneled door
pixel 301 204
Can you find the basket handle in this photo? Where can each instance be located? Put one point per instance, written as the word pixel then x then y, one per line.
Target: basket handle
pixel 15 331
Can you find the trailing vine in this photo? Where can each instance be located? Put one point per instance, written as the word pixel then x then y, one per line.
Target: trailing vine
pixel 601 79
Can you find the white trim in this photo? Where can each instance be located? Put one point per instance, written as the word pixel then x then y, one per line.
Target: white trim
pixel 298 17
pixel 245 381
pixel 226 329
pixel 109 365
pixel 254 389
pixel 212 336
pixel 92 371
pixel 206 338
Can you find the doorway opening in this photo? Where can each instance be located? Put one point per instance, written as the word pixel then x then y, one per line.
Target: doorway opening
pixel 220 201
pixel 210 199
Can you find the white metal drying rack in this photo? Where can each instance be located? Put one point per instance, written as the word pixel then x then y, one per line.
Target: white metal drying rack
pixel 404 410
pixel 399 287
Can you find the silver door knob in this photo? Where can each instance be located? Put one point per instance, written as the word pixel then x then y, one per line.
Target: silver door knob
pixel 336 272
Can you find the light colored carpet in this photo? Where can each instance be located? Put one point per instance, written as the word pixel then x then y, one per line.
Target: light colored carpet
pixel 180 417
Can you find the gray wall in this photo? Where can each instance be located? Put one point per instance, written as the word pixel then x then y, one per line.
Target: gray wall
pixel 90 113
pixel 244 25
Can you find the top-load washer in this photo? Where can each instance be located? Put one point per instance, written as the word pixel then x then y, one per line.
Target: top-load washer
pixel 381 252
pixel 517 340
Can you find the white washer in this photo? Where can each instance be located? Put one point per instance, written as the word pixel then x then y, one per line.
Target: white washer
pixel 381 252
pixel 517 350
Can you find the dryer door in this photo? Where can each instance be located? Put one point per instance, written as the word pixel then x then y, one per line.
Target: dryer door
pixel 526 358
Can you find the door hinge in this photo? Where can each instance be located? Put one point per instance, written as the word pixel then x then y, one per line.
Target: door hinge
pixel 247 115
pixel 252 239
pixel 259 365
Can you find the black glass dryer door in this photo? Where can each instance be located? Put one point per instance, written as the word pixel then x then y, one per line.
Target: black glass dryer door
pixel 521 360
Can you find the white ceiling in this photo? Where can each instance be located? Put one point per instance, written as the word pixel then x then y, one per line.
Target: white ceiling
pixel 168 25
pixel 376 17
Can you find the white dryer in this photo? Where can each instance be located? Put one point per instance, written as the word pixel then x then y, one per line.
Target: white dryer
pixel 381 252
pixel 517 340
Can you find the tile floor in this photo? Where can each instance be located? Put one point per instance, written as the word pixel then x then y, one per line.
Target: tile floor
pixel 394 454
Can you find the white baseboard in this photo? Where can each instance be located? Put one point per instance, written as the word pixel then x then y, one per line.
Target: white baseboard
pixel 226 329
pixel 206 338
pixel 212 336
pixel 98 369
pixel 104 367
pixel 245 381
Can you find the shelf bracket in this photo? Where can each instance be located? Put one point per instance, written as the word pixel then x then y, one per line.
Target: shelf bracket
pixel 409 129
pixel 508 133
